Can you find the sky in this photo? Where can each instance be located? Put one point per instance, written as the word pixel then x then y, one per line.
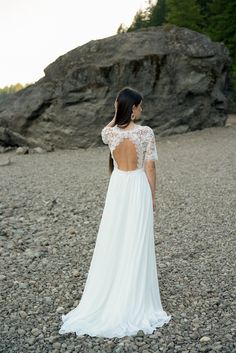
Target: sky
pixel 34 33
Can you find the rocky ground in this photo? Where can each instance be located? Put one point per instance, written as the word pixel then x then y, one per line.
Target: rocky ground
pixel 50 208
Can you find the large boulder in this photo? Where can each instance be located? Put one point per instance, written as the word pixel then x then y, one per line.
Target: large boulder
pixel 181 74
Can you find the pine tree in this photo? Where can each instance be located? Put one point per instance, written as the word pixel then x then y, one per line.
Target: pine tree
pixel 222 23
pixel 184 13
pixel 222 28
pixel 205 12
pixel 157 13
pixel 140 20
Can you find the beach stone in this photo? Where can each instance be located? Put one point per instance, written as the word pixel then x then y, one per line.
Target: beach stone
pixel 205 339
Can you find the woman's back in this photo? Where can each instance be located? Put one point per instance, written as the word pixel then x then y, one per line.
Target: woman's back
pixel 130 147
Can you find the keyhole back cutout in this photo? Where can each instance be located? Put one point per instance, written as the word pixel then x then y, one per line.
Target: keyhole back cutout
pixel 125 155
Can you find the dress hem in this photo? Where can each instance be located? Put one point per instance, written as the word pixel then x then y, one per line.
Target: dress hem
pixel 125 329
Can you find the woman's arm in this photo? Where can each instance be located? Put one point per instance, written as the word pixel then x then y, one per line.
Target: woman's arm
pixel 150 170
pixel 150 159
pixel 111 123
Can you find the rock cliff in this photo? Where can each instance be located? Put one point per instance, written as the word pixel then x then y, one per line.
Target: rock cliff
pixel 181 74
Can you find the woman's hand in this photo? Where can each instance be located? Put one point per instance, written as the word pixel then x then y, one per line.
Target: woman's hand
pixel 115 105
pixel 112 122
pixel 154 200
pixel 154 203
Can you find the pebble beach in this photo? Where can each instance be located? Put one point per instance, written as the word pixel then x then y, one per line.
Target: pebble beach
pixel 50 208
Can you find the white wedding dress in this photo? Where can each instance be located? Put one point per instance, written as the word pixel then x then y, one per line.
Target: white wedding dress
pixel 121 294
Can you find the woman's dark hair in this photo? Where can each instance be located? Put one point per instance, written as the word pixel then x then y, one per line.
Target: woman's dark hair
pixel 125 99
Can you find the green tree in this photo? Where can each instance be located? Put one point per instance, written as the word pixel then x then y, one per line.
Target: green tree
pixel 140 20
pixel 152 15
pixel 157 13
pixel 184 13
pixel 222 28
pixel 222 23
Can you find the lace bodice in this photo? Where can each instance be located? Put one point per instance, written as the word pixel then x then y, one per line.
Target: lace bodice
pixel 142 136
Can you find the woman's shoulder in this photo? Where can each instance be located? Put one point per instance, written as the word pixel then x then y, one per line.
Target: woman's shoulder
pixel 146 127
pixel 148 133
pixel 106 134
pixel 107 127
pixel 147 130
pixel 107 130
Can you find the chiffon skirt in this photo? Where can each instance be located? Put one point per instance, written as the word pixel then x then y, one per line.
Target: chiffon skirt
pixel 121 294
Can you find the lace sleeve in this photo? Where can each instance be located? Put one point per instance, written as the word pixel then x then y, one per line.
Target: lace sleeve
pixel 105 134
pixel 151 150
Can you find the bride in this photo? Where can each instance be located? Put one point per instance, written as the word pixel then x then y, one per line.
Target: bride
pixel 121 294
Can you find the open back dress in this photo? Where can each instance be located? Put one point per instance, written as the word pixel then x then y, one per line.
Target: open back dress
pixel 121 294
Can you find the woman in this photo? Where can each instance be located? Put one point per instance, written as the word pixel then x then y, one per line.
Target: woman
pixel 121 295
